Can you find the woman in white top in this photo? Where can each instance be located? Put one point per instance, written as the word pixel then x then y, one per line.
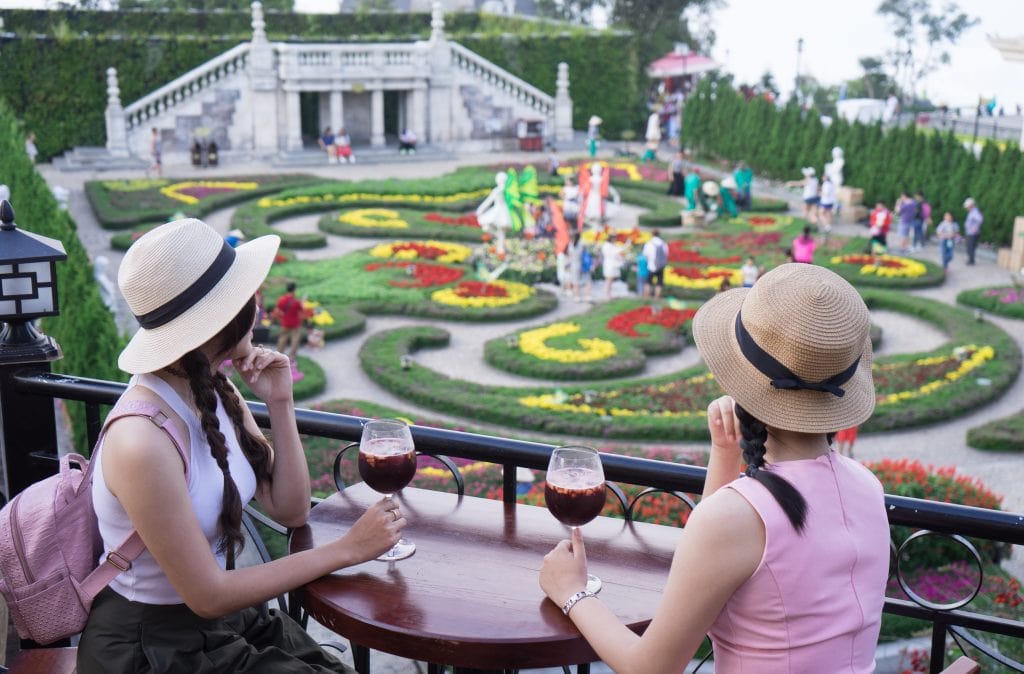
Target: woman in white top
pixel 612 261
pixel 178 608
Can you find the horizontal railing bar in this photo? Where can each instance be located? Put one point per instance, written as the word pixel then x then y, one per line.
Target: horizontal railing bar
pixel 936 516
pixel 958 617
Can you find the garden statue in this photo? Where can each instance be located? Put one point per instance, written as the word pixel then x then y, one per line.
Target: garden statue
pixel 834 168
pixel 595 190
pixel 493 212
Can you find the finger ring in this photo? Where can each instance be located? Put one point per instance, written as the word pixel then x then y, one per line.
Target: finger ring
pixel 395 513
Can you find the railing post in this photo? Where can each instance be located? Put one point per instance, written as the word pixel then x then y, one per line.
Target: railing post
pixel 117 124
pixel 263 84
pixel 563 105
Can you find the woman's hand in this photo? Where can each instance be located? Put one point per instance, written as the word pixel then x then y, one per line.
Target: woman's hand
pixel 564 572
pixel 724 426
pixel 375 532
pixel 267 373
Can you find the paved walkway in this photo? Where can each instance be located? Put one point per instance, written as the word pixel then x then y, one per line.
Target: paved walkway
pixel 941 444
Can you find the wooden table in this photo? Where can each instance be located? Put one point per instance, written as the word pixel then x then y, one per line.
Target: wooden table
pixel 470 596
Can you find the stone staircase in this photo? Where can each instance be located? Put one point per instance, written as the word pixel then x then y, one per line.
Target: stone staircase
pixel 364 155
pixel 485 119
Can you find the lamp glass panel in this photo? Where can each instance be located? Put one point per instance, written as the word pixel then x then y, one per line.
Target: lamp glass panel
pixel 8 308
pixel 40 305
pixel 40 269
pixel 16 286
pixel 6 268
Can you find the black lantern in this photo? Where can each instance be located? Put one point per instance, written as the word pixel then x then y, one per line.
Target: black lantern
pixel 28 290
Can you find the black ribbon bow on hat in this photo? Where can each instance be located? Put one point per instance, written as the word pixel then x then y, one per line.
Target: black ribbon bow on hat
pixel 781 376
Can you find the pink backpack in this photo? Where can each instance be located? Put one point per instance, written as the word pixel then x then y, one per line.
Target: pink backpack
pixel 50 543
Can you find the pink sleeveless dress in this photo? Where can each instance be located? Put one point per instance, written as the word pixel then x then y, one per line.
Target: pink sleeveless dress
pixel 814 603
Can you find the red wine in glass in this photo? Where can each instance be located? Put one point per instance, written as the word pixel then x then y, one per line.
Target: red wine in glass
pixel 387 463
pixel 575 491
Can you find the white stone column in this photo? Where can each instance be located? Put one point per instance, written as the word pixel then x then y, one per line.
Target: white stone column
pixel 263 85
pixel 563 105
pixel 337 117
pixel 441 89
pixel 377 117
pixel 117 124
pixel 416 109
pixel 293 121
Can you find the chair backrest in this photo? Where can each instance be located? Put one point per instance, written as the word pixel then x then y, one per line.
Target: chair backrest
pixel 963 665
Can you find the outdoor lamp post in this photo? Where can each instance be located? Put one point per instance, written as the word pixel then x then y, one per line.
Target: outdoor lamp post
pixel 28 291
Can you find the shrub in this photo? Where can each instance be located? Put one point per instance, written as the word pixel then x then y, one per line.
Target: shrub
pixel 1002 300
pixel 1004 435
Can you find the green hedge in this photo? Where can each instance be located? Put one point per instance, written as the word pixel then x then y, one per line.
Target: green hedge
pixel 777 142
pixel 980 298
pixel 417 226
pixel 55 64
pixel 380 354
pixel 1000 435
pixel 85 329
pixel 932 276
pixel 123 208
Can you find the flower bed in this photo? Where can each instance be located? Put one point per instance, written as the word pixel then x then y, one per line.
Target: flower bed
pixel 123 203
pixel 889 271
pixel 1005 435
pixel 976 366
pixel 526 260
pixel 1002 300
pixel 387 222
pixel 762 222
pixel 403 277
pixel 613 339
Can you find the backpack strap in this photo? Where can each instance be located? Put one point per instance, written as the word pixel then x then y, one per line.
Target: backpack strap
pixel 120 560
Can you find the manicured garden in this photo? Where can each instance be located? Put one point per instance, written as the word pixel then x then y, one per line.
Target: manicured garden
pixel 1002 300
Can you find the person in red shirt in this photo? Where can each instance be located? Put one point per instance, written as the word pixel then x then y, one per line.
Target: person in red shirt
pixel 290 313
pixel 879 221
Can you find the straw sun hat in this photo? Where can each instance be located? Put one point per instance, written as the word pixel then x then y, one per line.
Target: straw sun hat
pixel 184 283
pixel 794 350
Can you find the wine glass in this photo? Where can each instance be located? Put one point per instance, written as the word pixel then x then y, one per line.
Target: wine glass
pixel 575 490
pixel 387 463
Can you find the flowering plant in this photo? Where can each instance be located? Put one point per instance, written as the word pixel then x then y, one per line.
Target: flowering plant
pixel 896 382
pixel 191 191
pixel 885 266
pixel 762 222
pixel 468 220
pixel 136 185
pixel 465 294
pixel 708 278
pixel 621 235
pixel 438 251
pixel 424 275
pixel 533 343
pixel 625 323
pixel 373 217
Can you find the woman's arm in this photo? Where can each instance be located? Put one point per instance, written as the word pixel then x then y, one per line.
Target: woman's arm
pixel 725 458
pixel 143 470
pixel 721 547
pixel 286 497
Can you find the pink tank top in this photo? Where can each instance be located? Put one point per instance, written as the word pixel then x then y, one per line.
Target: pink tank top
pixel 814 603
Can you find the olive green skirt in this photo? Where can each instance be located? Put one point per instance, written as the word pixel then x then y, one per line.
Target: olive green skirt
pixel 126 637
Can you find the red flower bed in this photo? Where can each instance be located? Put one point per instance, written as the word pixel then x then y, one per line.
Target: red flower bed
pixel 695 273
pixel 868 259
pixel 202 191
pixel 422 250
pixel 913 478
pixel 465 220
pixel 754 243
pixel 480 289
pixel 761 221
pixel 423 275
pixel 626 322
pixel 680 254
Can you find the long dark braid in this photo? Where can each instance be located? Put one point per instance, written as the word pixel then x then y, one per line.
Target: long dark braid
pixel 754 433
pixel 206 387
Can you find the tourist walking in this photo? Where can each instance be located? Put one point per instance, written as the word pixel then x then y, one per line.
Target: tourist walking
pixel 972 227
pixel 947 232
pixel 879 222
pixel 751 272
pixel 760 551
pixel 906 213
pixel 922 220
pixel 677 169
pixel 642 274
pixel 810 193
pixel 612 261
pixel 289 313
pixel 828 204
pixel 156 154
pixel 803 247
pixel 180 605
pixel 656 252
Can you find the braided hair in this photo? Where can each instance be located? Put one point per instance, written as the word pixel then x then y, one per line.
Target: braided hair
pixel 206 387
pixel 754 433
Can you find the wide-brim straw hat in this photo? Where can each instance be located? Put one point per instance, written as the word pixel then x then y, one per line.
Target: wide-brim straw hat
pixel 184 283
pixel 595 120
pixel 811 321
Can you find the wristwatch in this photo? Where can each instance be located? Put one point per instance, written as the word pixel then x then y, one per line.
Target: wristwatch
pixel 575 599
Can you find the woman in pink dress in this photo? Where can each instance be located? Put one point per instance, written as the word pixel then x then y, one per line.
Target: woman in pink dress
pixel 785 566
pixel 803 247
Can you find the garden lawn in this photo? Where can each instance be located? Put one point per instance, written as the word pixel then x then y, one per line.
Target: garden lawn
pixel 390 222
pixel 1005 434
pixel 1001 300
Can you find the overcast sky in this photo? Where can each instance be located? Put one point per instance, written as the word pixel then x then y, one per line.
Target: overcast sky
pixel 759 35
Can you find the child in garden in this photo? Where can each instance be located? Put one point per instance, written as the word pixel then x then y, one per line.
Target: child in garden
pixel 845 440
pixel 948 232
pixel 750 272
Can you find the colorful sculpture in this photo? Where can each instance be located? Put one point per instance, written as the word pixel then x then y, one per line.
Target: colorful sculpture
pixel 595 191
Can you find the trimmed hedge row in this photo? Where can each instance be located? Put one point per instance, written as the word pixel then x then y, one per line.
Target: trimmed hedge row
pixel 120 209
pixel 1001 435
pixel 991 299
pixel 778 142
pixel 85 329
pixel 933 275
pixel 417 226
pixel 380 354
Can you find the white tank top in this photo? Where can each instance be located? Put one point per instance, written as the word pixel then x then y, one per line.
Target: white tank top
pixel 145 581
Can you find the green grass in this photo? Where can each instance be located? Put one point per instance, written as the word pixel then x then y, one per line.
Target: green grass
pixel 1000 435
pixel 991 299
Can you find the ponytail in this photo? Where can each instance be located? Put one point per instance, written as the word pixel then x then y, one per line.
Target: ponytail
pixel 754 433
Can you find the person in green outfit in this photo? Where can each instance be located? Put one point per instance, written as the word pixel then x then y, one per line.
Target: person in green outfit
pixel 691 190
pixel 744 178
pixel 729 196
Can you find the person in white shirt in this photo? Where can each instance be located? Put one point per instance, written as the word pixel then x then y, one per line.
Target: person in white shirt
pixel 750 272
pixel 656 252
pixel 612 261
pixel 827 203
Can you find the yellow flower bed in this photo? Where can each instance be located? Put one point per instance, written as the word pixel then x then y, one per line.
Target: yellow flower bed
pixel 515 293
pixel 475 467
pixel 174 191
pixel 638 237
pixel 373 217
pixel 558 402
pixel 321 317
pixel 713 283
pixel 632 172
pixel 134 185
pixel 270 202
pixel 979 355
pixel 454 253
pixel 532 343
pixel 907 267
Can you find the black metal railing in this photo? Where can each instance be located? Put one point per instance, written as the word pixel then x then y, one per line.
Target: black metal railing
pixel 942 518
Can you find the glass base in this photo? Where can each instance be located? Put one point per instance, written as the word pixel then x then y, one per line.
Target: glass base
pixel 402 549
pixel 594 583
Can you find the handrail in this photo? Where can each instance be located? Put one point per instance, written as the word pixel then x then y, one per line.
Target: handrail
pixel 184 87
pixel 520 89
